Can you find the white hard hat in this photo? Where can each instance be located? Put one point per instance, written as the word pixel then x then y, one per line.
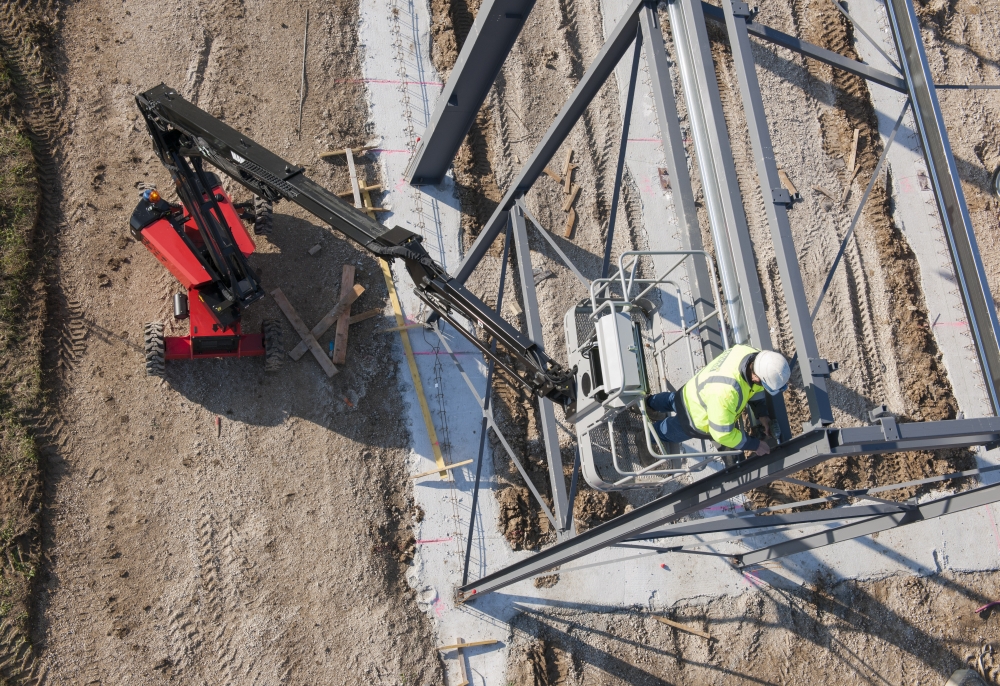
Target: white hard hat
pixel 772 368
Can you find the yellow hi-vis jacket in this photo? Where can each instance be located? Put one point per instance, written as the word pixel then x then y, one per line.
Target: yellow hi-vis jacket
pixel 716 396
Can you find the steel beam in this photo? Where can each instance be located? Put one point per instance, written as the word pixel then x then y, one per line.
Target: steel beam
pixel 813 51
pixel 975 289
pixel 622 147
pixel 493 33
pixel 597 73
pixel 776 200
pixel 930 510
pixel 802 452
pixel 702 287
pixel 716 525
pixel 546 410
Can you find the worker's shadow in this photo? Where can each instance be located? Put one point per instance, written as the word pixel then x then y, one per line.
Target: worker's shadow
pixel 240 390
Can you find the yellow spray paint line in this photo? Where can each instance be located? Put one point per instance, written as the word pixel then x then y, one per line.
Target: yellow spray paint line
pixel 418 386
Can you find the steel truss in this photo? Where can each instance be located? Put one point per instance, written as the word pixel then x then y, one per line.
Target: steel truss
pixel 639 27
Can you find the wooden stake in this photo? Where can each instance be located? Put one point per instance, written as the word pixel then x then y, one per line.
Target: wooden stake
pixel 355 189
pixel 343 305
pixel 468 645
pixel 461 662
pixel 853 159
pixel 570 221
pixel 337 153
pixel 367 315
pixel 344 322
pixel 435 471
pixel 552 175
pixel 568 179
pixel 303 332
pixel 696 632
pixel 571 198
pixel 787 183
pixel 567 163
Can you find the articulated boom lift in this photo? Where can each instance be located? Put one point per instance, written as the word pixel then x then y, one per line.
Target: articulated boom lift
pixel 205 246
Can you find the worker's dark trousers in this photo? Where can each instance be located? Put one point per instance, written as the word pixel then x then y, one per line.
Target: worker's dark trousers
pixel 670 429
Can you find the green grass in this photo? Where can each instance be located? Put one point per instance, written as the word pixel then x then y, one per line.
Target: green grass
pixel 21 321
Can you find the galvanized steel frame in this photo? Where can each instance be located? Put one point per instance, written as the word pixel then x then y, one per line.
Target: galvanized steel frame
pixel 711 142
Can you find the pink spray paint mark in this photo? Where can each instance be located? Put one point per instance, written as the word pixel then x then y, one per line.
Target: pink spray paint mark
pixel 439 607
pixel 433 540
pixel 401 184
pixel 391 82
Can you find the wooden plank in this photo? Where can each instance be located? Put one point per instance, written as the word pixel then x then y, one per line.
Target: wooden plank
pixel 303 332
pixel 367 315
pixel 461 662
pixel 418 386
pixel 473 644
pixel 571 198
pixel 788 185
pixel 676 625
pixel 365 192
pixel 570 221
pixel 552 175
pixel 356 191
pixel 338 153
pixel 820 189
pixel 343 305
pixel 567 162
pixel 853 159
pixel 568 179
pixel 344 321
pixel 447 467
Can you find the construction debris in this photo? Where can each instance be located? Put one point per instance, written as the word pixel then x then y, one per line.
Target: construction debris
pixel 552 175
pixel 300 328
pixel 366 315
pixel 682 627
pixel 460 646
pixel 568 202
pixel 540 275
pixel 315 249
pixel 788 185
pixel 302 85
pixel 853 159
pixel 344 321
pixel 664 178
pixel 570 222
pixel 342 307
pixel 820 189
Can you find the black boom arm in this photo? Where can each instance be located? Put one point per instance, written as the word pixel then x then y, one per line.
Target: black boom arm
pixel 181 131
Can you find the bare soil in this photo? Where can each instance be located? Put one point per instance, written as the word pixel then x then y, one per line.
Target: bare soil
pixel 269 550
pixel 902 630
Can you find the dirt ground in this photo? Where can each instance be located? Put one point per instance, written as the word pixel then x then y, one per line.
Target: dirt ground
pixel 269 550
pixel 273 551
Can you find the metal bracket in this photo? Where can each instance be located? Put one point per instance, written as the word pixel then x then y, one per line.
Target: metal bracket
pixel 780 196
pixel 878 413
pixel 742 9
pixel 820 367
pixel 889 428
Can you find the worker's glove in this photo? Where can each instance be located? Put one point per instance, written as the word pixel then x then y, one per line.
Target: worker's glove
pixel 763 449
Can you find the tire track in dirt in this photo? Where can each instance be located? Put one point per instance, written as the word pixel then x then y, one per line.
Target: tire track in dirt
pixel 21 24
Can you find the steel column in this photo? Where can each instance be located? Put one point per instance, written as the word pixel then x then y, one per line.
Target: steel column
pixel 935 508
pixel 813 51
pixel 776 199
pixel 723 200
pixel 597 73
pixel 975 288
pixel 487 395
pixel 622 147
pixel 546 410
pixel 493 33
pixel 702 287
pixel 802 452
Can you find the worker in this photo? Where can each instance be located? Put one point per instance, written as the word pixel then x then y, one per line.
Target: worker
pixel 710 403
